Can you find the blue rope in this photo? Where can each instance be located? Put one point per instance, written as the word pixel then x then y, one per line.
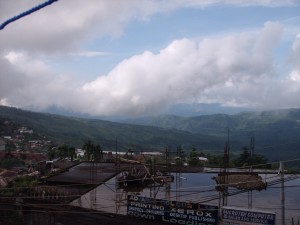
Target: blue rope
pixel 36 8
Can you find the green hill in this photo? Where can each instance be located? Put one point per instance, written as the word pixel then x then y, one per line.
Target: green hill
pixel 77 131
pixel 277 133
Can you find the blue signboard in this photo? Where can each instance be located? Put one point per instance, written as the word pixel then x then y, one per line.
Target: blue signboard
pixel 171 211
pixel 241 216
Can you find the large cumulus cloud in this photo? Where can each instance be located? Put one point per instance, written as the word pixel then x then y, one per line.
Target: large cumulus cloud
pixel 29 82
pixel 236 69
pixel 271 90
pixel 188 71
pixel 185 70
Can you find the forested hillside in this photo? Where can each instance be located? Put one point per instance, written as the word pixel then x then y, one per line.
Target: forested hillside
pixel 76 131
pixel 276 133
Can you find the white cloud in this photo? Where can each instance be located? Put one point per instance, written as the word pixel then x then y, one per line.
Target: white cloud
pixel 13 57
pixel 186 70
pixel 263 92
pixel 89 54
pixel 235 69
pixel 63 25
pixel 295 75
pixel 27 81
pixel 238 3
pixel 296 49
pixel 4 102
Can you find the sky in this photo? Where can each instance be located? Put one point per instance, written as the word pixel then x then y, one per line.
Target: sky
pixel 142 57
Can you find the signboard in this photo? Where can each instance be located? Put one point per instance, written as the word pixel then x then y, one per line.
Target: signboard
pixel 240 216
pixel 171 211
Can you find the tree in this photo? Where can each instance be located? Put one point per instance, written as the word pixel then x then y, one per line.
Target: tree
pixel 51 152
pixel 71 152
pixel 194 157
pixel 65 151
pixel 180 155
pixel 202 154
pixel 98 153
pixel 215 160
pixel 23 156
pixel 258 159
pixel 9 163
pixel 11 217
pixel 245 159
pixel 193 153
pixel 62 151
pixel 88 150
pixel 10 146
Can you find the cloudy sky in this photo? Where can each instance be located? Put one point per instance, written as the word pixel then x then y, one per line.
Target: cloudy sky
pixel 137 57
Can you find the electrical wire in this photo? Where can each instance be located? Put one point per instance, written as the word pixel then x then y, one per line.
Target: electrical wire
pixel 214 197
pixel 26 13
pixel 188 190
pixel 203 200
pixel 273 182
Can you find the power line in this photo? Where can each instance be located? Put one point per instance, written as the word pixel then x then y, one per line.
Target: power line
pixel 206 199
pixel 138 179
pixel 26 13
pixel 203 199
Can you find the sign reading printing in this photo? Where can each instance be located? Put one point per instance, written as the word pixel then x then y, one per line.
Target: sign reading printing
pixel 232 215
pixel 171 211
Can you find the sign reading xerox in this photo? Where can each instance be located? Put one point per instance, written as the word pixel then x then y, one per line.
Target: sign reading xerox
pixel 171 211
pixel 241 216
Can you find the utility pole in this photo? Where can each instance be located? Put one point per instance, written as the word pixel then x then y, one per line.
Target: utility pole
pixel 252 141
pixel 117 163
pixel 225 170
pixel 225 175
pixel 281 171
pixel 250 194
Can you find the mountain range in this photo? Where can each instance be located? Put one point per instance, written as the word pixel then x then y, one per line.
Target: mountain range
pixel 276 133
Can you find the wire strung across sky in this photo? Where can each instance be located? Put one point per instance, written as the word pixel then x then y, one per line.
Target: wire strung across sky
pixel 26 13
pixel 294 176
pixel 202 199
pixel 289 207
pixel 205 199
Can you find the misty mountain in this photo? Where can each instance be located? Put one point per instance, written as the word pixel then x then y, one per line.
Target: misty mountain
pixel 76 131
pixel 186 110
pixel 276 133
pixel 200 109
pixel 246 122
